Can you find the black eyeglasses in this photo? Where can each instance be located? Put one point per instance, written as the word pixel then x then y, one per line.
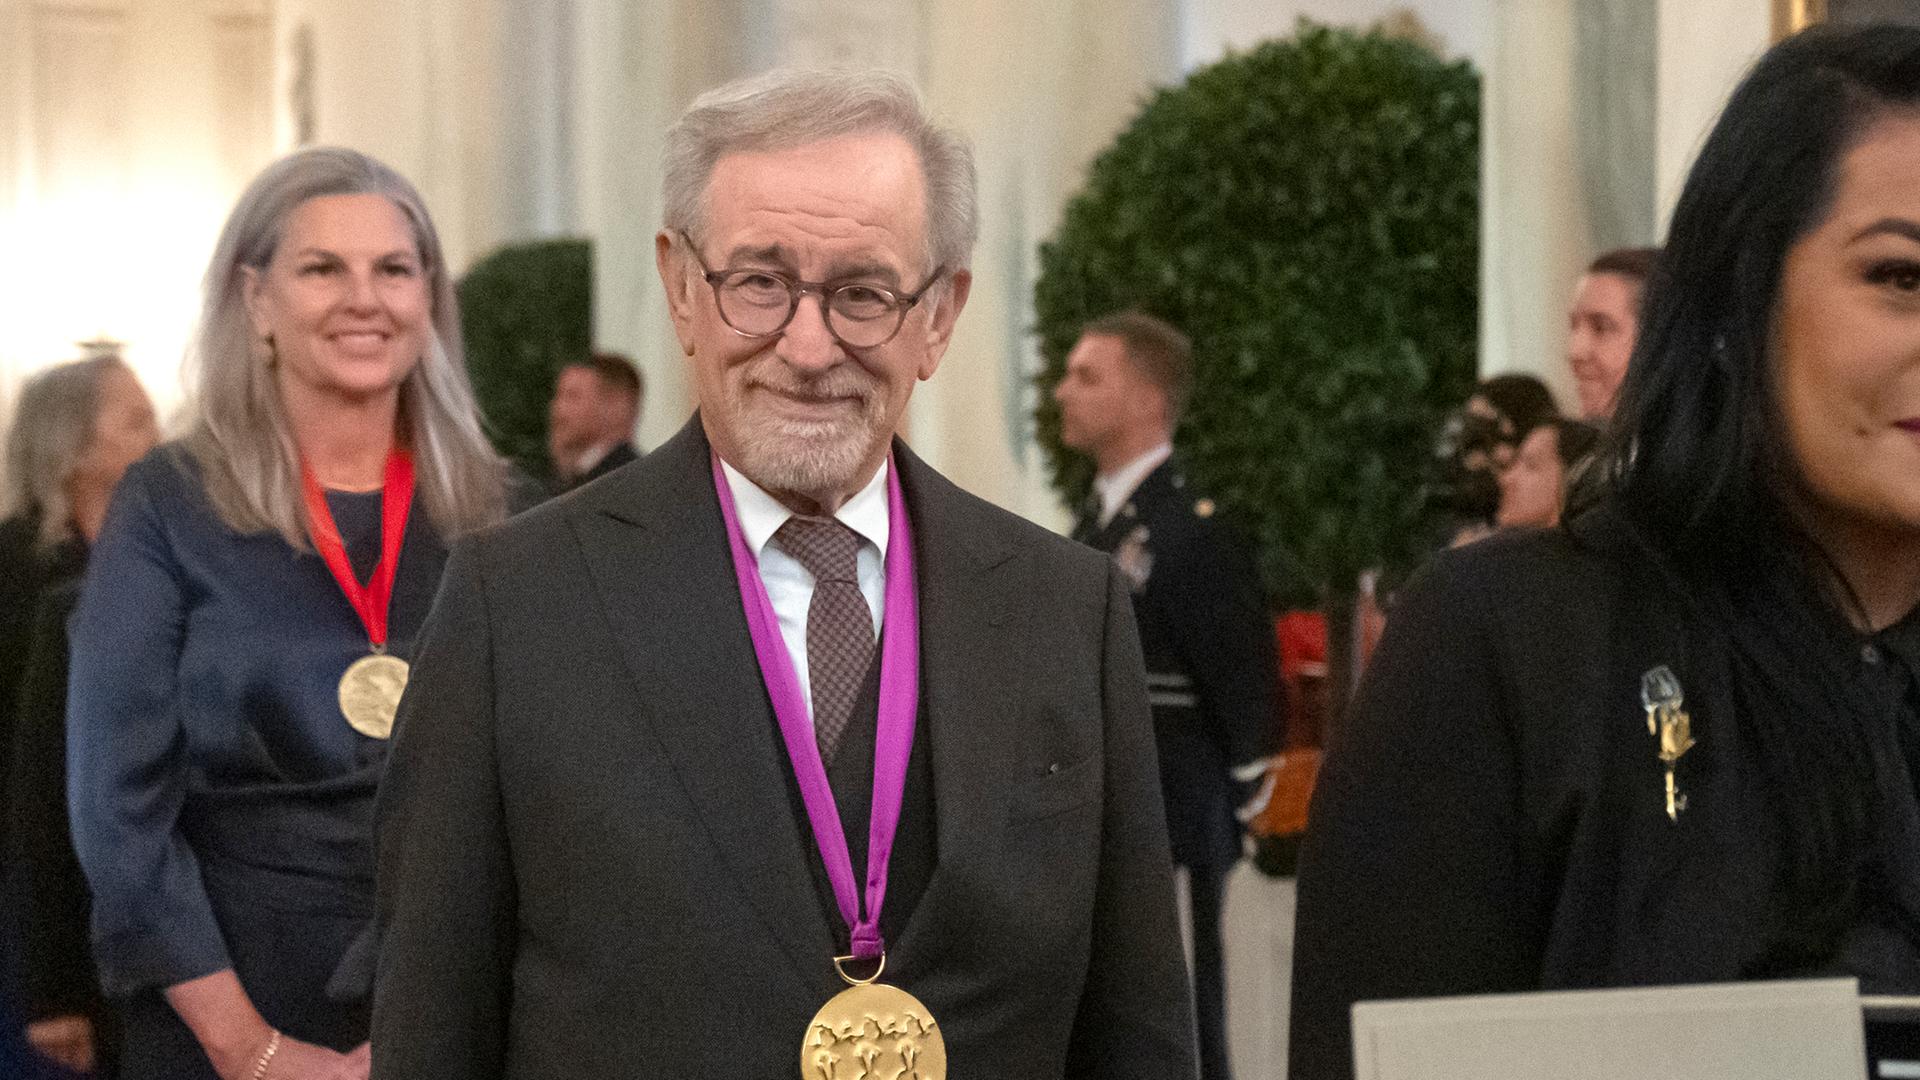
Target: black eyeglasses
pixel 760 303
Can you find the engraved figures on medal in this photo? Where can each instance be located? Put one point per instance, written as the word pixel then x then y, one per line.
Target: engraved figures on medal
pixel 873 1030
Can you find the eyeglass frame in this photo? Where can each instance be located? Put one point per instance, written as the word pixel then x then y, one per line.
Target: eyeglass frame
pixel 796 288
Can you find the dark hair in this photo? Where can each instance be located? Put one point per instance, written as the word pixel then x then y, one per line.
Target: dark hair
pixel 1523 399
pixel 1697 458
pixel 1696 443
pixel 1574 440
pixel 1629 262
pixel 616 373
pixel 1155 346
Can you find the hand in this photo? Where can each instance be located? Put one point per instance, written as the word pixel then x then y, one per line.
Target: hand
pixel 298 1060
pixel 66 1041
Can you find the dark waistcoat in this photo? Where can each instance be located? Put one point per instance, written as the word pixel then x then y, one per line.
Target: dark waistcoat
pixel 851 776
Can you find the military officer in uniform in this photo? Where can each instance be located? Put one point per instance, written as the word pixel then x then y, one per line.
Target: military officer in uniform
pixel 1212 670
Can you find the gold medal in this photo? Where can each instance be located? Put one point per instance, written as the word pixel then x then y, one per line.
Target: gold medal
pixel 872 1030
pixel 370 693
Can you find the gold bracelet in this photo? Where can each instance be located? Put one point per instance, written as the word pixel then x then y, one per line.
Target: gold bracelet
pixel 266 1056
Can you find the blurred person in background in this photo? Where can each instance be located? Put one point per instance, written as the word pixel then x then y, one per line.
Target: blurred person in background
pixel 78 427
pixel 590 423
pixel 1674 741
pixel 242 633
pixel 1534 485
pixel 1478 443
pixel 1205 628
pixel 1603 325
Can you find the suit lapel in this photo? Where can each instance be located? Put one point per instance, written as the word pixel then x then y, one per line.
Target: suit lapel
pixel 967 597
pixel 656 546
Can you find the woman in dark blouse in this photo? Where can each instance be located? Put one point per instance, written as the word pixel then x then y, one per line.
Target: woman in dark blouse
pixel 1676 739
pixel 236 654
pixel 77 428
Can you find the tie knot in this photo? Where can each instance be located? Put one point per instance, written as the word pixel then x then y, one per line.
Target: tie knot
pixel 823 545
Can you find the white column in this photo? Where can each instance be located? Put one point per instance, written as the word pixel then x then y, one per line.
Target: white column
pixel 1706 47
pixel 627 97
pixel 463 140
pixel 1533 228
pixel 536 71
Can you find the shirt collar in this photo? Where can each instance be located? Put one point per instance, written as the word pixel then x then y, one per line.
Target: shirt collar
pixel 761 515
pixel 595 455
pixel 1117 487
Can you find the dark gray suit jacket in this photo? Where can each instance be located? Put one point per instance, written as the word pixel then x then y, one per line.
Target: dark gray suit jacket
pixel 589 866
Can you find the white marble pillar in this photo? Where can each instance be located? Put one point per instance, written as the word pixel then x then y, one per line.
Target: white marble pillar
pixel 627 97
pixel 1705 49
pixel 1534 234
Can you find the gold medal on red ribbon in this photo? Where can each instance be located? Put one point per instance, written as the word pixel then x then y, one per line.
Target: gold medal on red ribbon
pixel 371 686
pixel 871 1029
pixel 370 693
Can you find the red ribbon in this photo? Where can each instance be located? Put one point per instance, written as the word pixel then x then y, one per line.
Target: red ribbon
pixel 370 601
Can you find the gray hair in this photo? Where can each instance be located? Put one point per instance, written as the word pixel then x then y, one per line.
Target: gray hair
pixel 52 428
pixel 237 426
pixel 788 108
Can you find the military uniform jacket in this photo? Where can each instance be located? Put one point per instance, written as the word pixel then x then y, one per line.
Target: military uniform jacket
pixel 1212 669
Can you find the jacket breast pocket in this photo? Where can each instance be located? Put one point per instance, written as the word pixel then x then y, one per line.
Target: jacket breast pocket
pixel 1055 791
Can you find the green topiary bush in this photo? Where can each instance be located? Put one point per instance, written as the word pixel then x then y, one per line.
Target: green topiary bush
pixel 525 312
pixel 1308 212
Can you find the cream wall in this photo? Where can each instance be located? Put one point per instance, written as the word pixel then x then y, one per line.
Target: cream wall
pixel 126 127
pixel 1208 28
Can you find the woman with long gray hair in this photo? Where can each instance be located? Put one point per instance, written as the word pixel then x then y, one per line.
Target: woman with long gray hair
pixel 243 634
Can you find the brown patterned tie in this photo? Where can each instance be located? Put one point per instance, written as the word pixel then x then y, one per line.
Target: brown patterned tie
pixel 839 624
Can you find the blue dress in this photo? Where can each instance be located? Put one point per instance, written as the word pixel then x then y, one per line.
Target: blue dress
pixel 221 805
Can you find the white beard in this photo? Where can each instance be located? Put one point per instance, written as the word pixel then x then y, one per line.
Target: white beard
pixel 814 458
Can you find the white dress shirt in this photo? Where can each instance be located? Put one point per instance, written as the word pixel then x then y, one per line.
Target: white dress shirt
pixel 594 455
pixel 1118 486
pixel 789 585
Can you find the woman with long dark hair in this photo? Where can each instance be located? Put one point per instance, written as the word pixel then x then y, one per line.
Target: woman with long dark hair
pixel 1676 740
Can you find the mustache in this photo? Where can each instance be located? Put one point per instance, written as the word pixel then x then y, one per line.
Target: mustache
pixel 841 381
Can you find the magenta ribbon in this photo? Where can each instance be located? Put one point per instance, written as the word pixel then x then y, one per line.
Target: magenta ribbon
pixel 899 705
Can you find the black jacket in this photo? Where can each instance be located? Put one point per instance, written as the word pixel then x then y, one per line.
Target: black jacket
pixel 46 900
pixel 1492 818
pixel 588 861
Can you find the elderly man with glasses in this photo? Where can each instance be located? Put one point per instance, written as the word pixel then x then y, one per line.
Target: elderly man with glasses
pixel 776 754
